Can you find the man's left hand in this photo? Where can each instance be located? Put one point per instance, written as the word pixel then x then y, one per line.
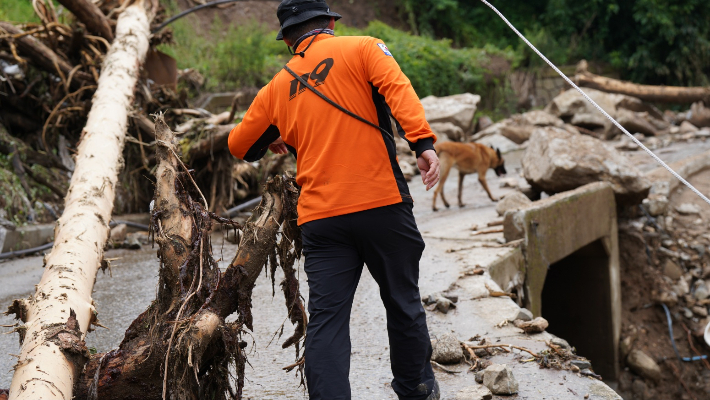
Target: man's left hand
pixel 428 164
pixel 278 146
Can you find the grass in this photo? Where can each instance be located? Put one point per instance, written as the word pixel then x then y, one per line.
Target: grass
pixel 19 11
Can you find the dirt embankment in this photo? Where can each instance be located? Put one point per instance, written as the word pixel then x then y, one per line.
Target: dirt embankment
pixel 355 13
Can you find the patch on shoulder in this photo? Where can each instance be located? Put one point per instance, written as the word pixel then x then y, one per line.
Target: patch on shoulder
pixel 385 49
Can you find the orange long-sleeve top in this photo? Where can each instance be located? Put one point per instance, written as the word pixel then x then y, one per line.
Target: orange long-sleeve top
pixel 343 165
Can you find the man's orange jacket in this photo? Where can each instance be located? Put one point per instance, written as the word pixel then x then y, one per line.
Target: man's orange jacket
pixel 343 165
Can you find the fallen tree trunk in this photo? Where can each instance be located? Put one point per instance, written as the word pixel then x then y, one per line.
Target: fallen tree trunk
pixel 660 94
pixel 215 140
pixel 181 347
pixel 60 312
pixel 90 15
pixel 44 57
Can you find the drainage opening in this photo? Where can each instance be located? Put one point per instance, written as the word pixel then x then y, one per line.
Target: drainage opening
pixel 576 300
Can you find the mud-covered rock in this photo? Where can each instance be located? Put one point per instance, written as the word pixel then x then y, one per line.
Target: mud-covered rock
pixel 557 160
pixel 631 113
pixel 513 201
pixel 458 109
pixel 643 364
pixel 537 325
pixel 447 350
pixel 118 233
pixel 477 392
pixel 672 270
pixel 519 127
pixel 500 380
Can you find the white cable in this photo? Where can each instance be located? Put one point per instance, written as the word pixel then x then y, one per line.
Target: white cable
pixel 655 157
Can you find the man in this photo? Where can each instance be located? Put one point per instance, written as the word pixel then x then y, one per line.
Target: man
pixel 355 207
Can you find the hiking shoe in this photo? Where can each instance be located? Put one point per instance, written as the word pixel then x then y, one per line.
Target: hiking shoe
pixel 435 394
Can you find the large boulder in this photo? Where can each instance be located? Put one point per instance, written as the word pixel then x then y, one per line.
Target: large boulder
pixel 557 160
pixel 633 114
pixel 458 110
pixel 519 127
pixel 451 131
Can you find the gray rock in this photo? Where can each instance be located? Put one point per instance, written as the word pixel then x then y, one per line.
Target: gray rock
pixel 687 127
pixel 519 127
pixel 3 235
pixel 701 311
pixel 514 201
pixel 644 365
pixel 408 169
pixel 447 350
pixel 509 183
pixel 477 392
pixel 499 142
pixel 458 109
pixel 479 377
pixel 556 161
pixel 500 380
pixel 581 364
pixel 701 291
pixel 656 204
pixel 537 325
pixel 561 343
pixel 118 233
pixel 453 132
pixel 672 270
pixel 522 314
pixel 688 209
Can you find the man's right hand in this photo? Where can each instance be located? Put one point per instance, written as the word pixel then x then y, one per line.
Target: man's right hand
pixel 428 164
pixel 278 146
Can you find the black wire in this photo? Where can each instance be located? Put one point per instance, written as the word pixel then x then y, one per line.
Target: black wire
pixel 190 11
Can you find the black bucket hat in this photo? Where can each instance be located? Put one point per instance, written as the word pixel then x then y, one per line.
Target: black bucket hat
pixel 292 12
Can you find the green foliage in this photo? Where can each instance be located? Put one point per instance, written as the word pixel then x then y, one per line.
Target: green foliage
pixel 434 66
pixel 650 41
pixel 17 11
pixel 229 57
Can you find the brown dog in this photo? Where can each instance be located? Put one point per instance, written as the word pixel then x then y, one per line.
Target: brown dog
pixel 469 158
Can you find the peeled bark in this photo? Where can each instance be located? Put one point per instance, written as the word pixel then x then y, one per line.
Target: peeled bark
pixel 44 57
pixel 91 16
pixel 58 315
pixel 660 94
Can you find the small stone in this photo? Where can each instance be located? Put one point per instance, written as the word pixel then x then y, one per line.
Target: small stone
pixel 672 270
pixel 681 288
pixel 688 209
pixel 687 313
pixel 574 368
pixel 701 291
pixel 513 202
pixel 447 350
pixel 522 314
pixel 500 380
pixel 644 365
pixel 481 353
pixel 561 343
pixel 638 387
pixel 687 127
pixel 625 346
pixel 477 392
pixel 509 183
pixel 479 377
pixel 444 305
pixel 537 325
pixel 701 311
pixel 581 364
pixel 656 204
pixel 669 298
pixel 118 233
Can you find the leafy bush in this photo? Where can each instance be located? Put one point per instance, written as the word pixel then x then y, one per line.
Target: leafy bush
pixel 434 66
pixel 17 11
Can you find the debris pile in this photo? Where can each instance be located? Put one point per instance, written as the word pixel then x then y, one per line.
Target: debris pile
pixel 48 75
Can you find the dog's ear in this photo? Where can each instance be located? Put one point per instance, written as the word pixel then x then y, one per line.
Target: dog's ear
pixel 500 157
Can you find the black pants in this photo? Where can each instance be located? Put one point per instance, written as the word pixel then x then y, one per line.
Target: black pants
pixel 388 241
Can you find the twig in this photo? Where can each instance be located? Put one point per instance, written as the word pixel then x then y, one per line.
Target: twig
pixel 298 363
pixel 441 367
pixel 502 347
pixel 692 347
pixel 487 231
pixel 676 373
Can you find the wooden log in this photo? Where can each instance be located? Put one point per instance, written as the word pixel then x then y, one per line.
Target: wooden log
pixel 660 94
pixel 59 313
pixel 90 15
pixel 44 57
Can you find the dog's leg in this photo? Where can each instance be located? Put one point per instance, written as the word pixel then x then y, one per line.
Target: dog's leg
pixel 461 176
pixel 482 179
pixel 445 164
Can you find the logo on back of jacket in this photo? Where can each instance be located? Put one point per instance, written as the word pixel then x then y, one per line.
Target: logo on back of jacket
pixel 320 72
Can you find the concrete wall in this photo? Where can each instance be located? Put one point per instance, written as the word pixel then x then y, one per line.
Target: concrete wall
pixel 577 229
